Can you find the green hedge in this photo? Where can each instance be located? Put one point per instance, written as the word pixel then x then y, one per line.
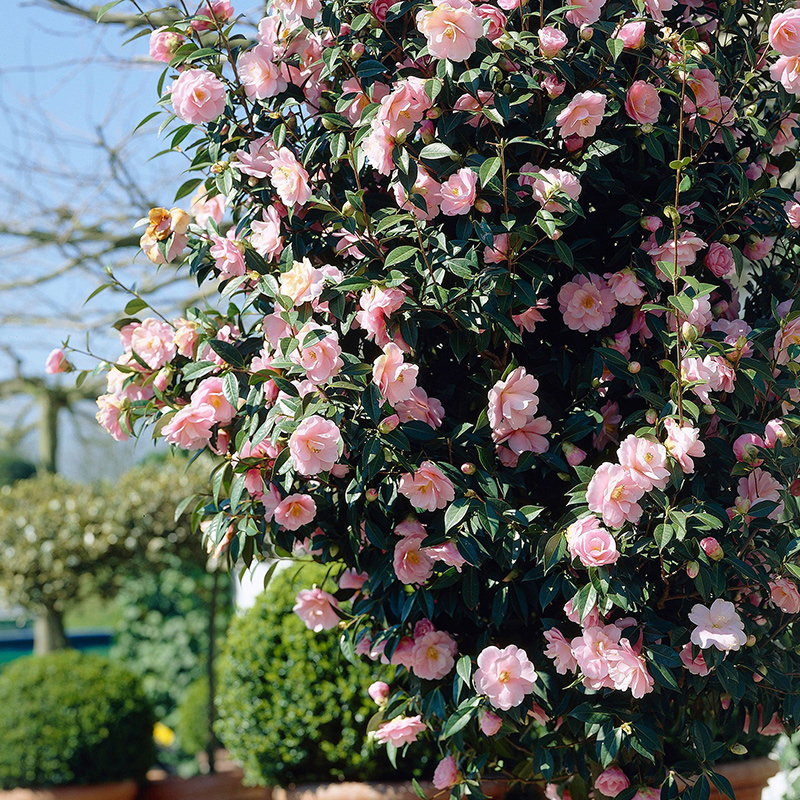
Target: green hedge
pixel 290 708
pixel 72 718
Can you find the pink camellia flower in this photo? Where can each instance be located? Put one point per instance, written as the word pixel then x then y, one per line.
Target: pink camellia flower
pixel 559 651
pixel 451 28
pixel 745 448
pixel 613 494
pixel 218 12
pixel 683 444
pixel 551 42
pixel 207 206
pixel 446 773
pixel 583 114
pixel 378 146
pixel 109 408
pixel 784 594
pixel 198 96
pixel 433 655
pixel 591 651
pixel 303 282
pixel 428 488
pixel 719 259
pixel 420 407
pixel 504 676
pixel 400 731
pixel 404 106
pixel 656 8
pixel 717 626
pixel 315 445
pixel 474 106
pixel 513 401
pixel 646 462
pixel 784 32
pixel 164 43
pixel 574 455
pixel 611 782
pixel 379 692
pixel 631 34
pixel 457 193
pixel 489 723
pixel 376 306
pixel 317 609
pixel 308 9
pixel 695 665
pixel 259 76
pixel 590 542
pixel 759 486
pixel 209 393
pixel 321 359
pixel 642 103
pixel 530 438
pixel 647 793
pixel 425 187
pixel 610 429
pixel 153 341
pixel 584 12
pixel 448 553
pixel 774 432
pixel 289 178
pixel 788 335
pixel 379 9
pixel 57 362
pixel 547 184
pixel 295 510
pixel 393 376
pixel 352 579
pixel 586 303
pixel 228 255
pixel 555 88
pixel 255 161
pixel 412 564
pixel 792 210
pixel 712 548
pixel 627 288
pixel 530 317
pixel 190 428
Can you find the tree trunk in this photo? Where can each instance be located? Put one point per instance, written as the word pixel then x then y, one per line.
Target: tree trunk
pixel 48 632
pixel 210 656
pixel 49 405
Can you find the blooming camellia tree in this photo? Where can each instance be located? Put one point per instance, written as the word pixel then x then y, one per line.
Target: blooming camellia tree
pixel 508 328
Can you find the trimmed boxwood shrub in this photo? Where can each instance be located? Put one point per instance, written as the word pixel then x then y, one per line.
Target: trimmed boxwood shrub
pixel 72 718
pixel 290 708
pixel 192 726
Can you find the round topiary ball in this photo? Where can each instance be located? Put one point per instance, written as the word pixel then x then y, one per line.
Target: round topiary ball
pixel 290 707
pixel 72 718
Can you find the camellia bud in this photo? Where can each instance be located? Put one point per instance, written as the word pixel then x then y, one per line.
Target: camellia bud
pixel 712 548
pixel 692 569
pixel 634 367
pixel 586 32
pixel 703 110
pixel 651 416
pixel 469 468
pixel 483 206
pixel 434 113
pixel 219 167
pixel 573 454
pixel 251 181
pixel 379 692
pixel 389 424
pixel 689 332
pixel 751 640
pixel 371 495
pixel 357 50
pixel 328 124
pixel 495 73
pixel 348 209
pixel 647 128
pixel 794 488
pixel 738 749
pixel 401 136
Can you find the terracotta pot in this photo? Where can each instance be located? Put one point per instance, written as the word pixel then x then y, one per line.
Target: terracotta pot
pixel 224 785
pixel 496 790
pixel 748 778
pixel 126 790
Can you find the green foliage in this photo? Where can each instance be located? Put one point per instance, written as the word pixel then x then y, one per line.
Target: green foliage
pixel 289 707
pixel 70 718
pixel 13 469
pixel 162 633
pixel 192 727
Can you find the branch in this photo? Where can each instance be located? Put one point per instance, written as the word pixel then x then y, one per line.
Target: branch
pixel 127 20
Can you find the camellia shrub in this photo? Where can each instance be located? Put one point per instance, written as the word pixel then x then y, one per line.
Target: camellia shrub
pixel 508 328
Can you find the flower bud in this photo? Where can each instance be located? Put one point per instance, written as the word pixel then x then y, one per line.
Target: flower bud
pixel 469 468
pixel 692 569
pixel 651 416
pixel 357 50
pixel 389 424
pixel 328 124
pixel 434 113
pixel 348 209
pixel 371 495
pixel 751 640
pixel 647 127
pixel 573 454
pixel 556 235
pixel 586 32
pixel 689 332
pixel 483 206
pixel 712 548
pixel 738 749
pixel 379 692
pixel 634 367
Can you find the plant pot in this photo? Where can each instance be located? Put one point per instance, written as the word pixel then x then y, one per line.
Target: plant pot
pixel 124 790
pixel 748 778
pixel 223 785
pixel 496 790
